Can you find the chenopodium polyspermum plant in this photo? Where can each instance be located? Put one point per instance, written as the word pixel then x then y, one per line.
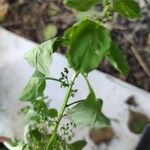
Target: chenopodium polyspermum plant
pixel 87 43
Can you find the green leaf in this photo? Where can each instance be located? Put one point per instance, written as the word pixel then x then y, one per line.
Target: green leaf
pixel 37 138
pixel 34 136
pixel 117 59
pixel 57 42
pixel 88 43
pixel 127 8
pixel 81 5
pixel 40 107
pixel 88 113
pixel 78 145
pixel 53 113
pixel 25 109
pixel 41 56
pixel 34 87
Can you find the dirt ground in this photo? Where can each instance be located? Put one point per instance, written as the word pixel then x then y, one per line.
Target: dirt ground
pixel 34 19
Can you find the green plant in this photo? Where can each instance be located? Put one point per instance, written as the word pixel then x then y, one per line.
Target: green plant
pixel 88 42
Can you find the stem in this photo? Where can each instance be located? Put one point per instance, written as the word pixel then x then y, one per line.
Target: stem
pixel 53 136
pixel 74 103
pixel 54 79
pixel 106 9
pixel 87 81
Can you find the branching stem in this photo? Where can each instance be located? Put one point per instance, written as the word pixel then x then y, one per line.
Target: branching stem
pixel 54 133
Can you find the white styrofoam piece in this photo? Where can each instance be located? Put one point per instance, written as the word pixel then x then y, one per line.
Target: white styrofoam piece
pixel 15 72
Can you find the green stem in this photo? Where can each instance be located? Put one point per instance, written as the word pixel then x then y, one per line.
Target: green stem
pixel 54 133
pixel 106 9
pixel 54 79
pixel 88 83
pixel 74 103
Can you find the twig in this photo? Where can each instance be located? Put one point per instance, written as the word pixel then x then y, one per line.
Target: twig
pixel 138 56
pixel 140 60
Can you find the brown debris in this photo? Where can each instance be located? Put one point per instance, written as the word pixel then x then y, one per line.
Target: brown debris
pixel 137 122
pixel 99 136
pixel 4 139
pixel 131 101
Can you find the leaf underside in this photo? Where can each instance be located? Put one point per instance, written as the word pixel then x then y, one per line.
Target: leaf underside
pixel 41 57
pixel 34 87
pixel 88 113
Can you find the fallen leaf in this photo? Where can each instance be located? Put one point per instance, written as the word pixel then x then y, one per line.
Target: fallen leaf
pixel 101 135
pixel 137 122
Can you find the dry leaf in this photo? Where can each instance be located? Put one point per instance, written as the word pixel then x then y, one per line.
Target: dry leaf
pixel 101 135
pixel 137 122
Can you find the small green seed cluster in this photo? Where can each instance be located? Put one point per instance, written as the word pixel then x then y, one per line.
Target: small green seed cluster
pixel 65 81
pixel 67 130
pixel 64 78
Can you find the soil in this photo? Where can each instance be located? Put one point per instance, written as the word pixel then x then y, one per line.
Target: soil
pixel 30 18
